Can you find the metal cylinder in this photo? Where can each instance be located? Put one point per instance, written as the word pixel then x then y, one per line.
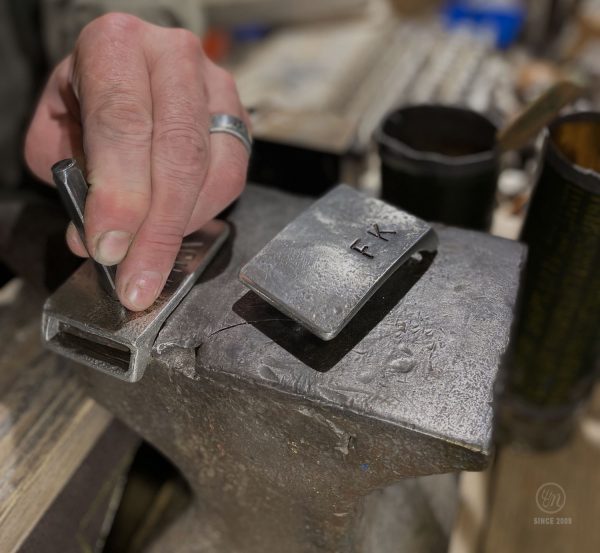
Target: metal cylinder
pixel 439 163
pixel 557 340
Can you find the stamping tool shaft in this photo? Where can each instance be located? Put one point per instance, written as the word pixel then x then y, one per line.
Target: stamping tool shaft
pixel 73 188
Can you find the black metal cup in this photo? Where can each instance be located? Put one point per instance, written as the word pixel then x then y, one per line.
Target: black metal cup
pixel 557 340
pixel 439 163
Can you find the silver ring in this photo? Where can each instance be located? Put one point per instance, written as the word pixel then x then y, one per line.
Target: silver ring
pixel 223 122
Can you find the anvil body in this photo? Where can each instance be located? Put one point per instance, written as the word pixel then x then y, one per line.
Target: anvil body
pixel 284 438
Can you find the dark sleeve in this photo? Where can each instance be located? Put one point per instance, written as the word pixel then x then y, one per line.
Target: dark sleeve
pixel 16 94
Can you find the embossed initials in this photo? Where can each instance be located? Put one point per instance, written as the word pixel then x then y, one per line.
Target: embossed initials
pixel 378 232
pixel 361 249
pixel 374 230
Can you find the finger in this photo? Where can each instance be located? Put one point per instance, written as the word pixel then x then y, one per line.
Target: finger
pixel 74 242
pixel 228 163
pixel 179 163
pixel 111 81
pixel 55 130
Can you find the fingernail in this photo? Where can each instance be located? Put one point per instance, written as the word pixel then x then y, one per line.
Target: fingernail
pixel 143 288
pixel 112 247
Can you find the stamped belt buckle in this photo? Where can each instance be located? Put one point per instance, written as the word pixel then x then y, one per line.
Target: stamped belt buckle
pixel 324 266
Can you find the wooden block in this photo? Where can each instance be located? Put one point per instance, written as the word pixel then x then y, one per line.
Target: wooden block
pixel 47 424
pixel 523 518
pixel 510 506
pixel 82 515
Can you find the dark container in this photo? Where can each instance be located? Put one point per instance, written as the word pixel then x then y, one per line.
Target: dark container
pixel 439 163
pixel 557 339
pixel 289 167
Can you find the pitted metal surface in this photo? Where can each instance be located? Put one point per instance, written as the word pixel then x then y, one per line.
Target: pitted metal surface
pixel 424 355
pixel 323 266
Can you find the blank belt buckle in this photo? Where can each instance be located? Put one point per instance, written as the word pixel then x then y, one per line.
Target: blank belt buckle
pixel 324 266
pixel 83 322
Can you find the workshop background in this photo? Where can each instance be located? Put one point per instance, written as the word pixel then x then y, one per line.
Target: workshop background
pixel 330 86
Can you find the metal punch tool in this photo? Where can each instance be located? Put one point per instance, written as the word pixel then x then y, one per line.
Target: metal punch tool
pixel 85 322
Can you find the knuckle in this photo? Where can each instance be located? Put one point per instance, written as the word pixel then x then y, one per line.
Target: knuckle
pixel 186 41
pixel 166 236
pixel 120 118
pixel 182 150
pixel 112 202
pixel 111 25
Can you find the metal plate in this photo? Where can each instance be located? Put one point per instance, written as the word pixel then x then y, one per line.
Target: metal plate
pixel 323 267
pixel 82 322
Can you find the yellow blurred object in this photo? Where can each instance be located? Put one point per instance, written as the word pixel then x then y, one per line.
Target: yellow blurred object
pixel 588 30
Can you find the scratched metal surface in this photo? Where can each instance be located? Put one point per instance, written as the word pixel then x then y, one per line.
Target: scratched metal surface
pixel 423 354
pixel 323 266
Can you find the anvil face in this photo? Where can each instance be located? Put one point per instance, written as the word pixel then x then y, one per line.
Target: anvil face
pixel 423 353
pixel 323 266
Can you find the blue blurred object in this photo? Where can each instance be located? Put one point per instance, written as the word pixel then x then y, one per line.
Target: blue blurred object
pixel 504 18
pixel 250 32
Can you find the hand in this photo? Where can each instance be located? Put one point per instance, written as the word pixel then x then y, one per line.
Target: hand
pixel 136 99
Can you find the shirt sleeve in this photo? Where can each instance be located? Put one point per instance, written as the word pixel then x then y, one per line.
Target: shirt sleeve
pixel 64 19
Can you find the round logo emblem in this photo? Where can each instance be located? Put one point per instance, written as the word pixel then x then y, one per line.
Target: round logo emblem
pixel 550 497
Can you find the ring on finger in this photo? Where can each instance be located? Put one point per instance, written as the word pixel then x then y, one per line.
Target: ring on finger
pixel 229 124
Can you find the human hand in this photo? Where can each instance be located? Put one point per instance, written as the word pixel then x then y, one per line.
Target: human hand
pixel 135 100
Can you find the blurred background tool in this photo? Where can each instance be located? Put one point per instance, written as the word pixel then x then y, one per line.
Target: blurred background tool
pixel 317 93
pixel 440 163
pixel 501 19
pixel 557 342
pixel 539 113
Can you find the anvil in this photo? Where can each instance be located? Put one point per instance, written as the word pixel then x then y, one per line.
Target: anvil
pixel 284 437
